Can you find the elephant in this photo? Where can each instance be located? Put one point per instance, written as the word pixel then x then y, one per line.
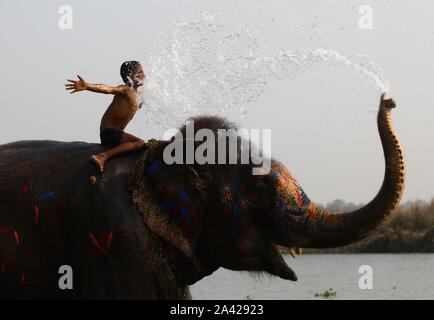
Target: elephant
pixel 144 229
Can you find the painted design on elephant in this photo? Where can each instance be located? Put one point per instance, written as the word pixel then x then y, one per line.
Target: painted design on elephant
pixel 37 199
pixel 16 237
pixel 45 196
pixel 101 245
pixel 14 234
pixel 156 219
pixel 11 264
pixel 317 218
pixel 171 209
pixel 152 168
pixel 176 199
pixel 177 208
pixel 36 214
pixel 290 196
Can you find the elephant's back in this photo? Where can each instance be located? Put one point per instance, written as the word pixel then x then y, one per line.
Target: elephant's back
pixel 53 164
pixel 43 151
pixel 40 165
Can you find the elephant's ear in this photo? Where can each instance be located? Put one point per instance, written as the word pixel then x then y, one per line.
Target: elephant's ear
pixel 170 197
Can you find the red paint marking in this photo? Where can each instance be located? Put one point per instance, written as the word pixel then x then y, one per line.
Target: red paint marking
pixel 26 188
pixel 17 237
pixel 312 218
pixel 23 278
pixel 287 175
pixel 96 243
pixel 298 194
pixel 109 239
pixel 36 214
pixel 100 246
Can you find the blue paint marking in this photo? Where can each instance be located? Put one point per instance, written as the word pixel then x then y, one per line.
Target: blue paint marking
pixel 167 205
pixel 171 205
pixel 294 213
pixel 45 196
pixel 153 167
pixel 185 213
pixel 304 199
pixel 184 194
pixel 274 175
pixel 281 202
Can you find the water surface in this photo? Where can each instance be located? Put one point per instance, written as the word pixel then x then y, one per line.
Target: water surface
pixel 395 276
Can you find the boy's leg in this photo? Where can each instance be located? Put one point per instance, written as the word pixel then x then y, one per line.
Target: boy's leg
pixel 129 143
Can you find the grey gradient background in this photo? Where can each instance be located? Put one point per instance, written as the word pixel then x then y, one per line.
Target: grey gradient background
pixel 323 121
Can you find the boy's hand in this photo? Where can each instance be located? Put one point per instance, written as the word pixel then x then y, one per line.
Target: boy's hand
pixel 75 85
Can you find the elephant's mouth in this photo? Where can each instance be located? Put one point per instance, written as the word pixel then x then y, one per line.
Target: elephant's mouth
pixel 273 263
pixel 270 261
pixel 279 266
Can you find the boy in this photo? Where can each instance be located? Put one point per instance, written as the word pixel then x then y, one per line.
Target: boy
pixel 125 103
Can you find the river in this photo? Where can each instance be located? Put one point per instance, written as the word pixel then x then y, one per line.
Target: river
pixel 394 276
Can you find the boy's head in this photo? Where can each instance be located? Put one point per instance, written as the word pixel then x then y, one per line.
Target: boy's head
pixel 132 73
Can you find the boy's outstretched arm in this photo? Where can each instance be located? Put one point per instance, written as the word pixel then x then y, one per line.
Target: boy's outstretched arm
pixel 80 85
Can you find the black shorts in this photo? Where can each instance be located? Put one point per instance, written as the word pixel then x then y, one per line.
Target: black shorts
pixel 110 137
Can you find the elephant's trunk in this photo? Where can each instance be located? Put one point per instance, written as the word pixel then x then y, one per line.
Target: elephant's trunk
pixel 318 228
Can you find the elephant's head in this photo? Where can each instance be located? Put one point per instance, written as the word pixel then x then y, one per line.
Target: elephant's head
pixel 224 216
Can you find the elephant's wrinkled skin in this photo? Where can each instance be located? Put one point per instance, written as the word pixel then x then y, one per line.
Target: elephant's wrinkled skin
pixel 148 230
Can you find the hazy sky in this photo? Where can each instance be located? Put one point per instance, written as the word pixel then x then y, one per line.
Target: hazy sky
pixel 322 121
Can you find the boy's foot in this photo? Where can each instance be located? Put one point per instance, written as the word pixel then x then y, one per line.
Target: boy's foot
pixel 99 160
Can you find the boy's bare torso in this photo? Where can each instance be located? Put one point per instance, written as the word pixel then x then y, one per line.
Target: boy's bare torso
pixel 121 110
